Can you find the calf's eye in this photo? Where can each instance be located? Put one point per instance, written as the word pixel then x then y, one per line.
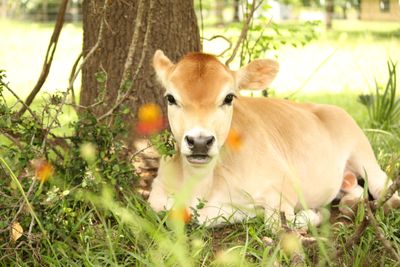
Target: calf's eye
pixel 229 99
pixel 171 100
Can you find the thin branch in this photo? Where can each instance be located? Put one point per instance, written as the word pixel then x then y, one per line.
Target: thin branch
pixel 13 139
pixel 379 233
pixel 22 205
pixel 94 48
pixel 393 188
pixel 73 77
pixel 373 206
pixel 73 71
pixel 85 107
pixel 48 58
pixel 140 151
pixel 222 37
pixel 30 229
pixel 133 46
pixel 355 238
pixel 243 33
pixel 22 102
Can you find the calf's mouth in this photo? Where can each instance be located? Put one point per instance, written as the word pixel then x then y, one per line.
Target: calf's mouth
pixel 198 159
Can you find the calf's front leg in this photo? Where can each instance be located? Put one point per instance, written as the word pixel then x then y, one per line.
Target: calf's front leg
pixel 159 199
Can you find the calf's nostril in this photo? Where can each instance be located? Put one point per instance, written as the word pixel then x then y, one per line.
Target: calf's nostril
pixel 210 141
pixel 190 141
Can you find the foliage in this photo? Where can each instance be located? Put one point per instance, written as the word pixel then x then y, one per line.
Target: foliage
pixel 265 35
pixel 164 143
pixel 384 105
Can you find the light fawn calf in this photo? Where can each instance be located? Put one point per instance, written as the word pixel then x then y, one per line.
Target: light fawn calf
pixel 292 157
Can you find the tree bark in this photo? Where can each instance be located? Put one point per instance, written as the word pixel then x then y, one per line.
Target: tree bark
pixel 173 29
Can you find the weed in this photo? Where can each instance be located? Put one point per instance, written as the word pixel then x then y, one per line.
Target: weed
pixel 384 105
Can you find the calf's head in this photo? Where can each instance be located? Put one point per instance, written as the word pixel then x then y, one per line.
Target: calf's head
pixel 200 92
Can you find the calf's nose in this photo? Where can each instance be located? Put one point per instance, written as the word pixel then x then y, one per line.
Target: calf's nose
pixel 200 144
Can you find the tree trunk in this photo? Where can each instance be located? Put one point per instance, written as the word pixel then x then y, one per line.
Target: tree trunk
pixel 344 11
pixel 44 11
pixel 171 26
pixel 236 4
pixel 219 12
pixel 329 13
pixel 3 9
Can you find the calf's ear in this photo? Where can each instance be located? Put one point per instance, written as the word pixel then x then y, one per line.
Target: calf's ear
pixel 258 74
pixel 162 65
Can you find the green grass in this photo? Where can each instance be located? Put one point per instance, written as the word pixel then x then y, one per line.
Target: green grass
pixel 109 225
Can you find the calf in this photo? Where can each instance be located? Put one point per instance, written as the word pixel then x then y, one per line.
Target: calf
pixel 291 157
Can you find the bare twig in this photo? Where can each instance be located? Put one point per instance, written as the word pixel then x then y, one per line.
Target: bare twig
pixel 22 102
pixel 355 238
pixel 243 33
pixel 379 233
pixel 393 188
pixel 129 61
pixel 85 107
pixel 93 49
pixel 48 58
pixel 133 46
pixel 73 77
pixel 73 71
pixel 30 229
pixel 13 139
pixel 372 206
pixel 140 151
pixel 22 205
pixel 285 226
pixel 223 37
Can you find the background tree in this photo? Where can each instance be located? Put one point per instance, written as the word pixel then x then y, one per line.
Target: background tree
pixel 132 32
pixel 330 6
pixel 236 4
pixel 219 12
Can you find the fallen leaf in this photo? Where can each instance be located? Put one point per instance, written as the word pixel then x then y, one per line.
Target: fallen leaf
pixel 16 231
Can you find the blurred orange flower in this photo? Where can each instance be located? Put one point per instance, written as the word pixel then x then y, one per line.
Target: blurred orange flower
pixel 43 169
pixel 181 215
pixel 234 140
pixel 150 119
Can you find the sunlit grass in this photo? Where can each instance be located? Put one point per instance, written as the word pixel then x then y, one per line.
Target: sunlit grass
pixel 23 46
